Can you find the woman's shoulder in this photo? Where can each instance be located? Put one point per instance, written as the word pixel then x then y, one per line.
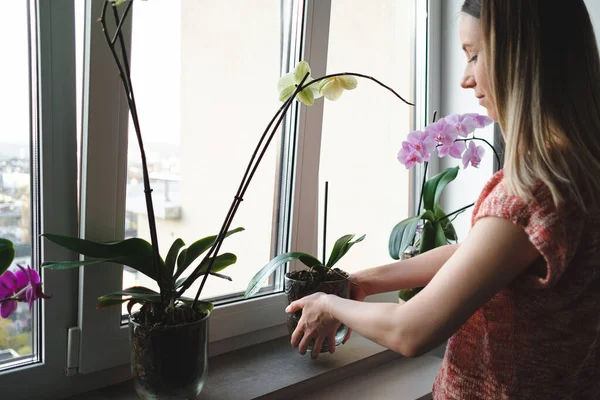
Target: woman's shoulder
pixel 496 200
pixel 555 232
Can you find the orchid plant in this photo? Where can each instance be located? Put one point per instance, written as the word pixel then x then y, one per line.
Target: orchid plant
pixel 432 227
pixel 23 285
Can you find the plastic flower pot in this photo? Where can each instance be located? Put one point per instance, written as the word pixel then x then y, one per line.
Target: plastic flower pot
pixel 299 284
pixel 169 362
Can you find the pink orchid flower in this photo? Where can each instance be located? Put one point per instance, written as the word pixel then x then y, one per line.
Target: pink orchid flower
pixel 409 156
pixel 473 155
pixel 463 125
pixel 480 120
pixel 445 136
pixel 422 142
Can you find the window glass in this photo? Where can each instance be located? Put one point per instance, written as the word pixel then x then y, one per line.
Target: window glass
pixel 17 332
pixel 363 130
pixel 205 79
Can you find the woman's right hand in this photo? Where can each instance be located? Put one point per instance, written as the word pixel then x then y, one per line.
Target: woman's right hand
pixel 358 293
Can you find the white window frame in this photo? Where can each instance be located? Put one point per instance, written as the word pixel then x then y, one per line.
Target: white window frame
pixel 97 352
pixel 54 129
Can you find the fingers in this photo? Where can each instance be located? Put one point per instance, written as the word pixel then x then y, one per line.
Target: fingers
pixel 347 336
pixel 303 346
pixel 297 336
pixel 316 349
pixel 294 306
pixel 331 343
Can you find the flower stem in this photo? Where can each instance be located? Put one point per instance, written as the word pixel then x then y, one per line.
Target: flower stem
pixel 258 154
pixel 422 186
pixel 455 212
pixel 125 75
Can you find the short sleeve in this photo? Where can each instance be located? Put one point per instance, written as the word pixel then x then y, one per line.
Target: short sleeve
pixel 542 222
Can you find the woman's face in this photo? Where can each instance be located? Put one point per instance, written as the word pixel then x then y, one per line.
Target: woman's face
pixel 475 75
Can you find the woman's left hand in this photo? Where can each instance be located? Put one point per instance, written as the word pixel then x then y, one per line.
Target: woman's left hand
pixel 316 323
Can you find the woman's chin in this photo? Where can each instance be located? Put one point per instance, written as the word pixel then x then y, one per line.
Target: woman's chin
pixel 492 114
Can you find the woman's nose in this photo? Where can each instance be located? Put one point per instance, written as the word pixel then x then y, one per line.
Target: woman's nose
pixel 467 81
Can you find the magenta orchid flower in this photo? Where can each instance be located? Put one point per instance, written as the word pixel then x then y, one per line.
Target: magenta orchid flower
pixel 22 285
pixel 409 156
pixel 463 125
pixel 473 155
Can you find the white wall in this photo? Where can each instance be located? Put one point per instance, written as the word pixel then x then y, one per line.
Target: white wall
pixel 454 99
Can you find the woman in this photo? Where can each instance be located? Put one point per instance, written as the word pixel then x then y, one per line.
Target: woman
pixel 519 299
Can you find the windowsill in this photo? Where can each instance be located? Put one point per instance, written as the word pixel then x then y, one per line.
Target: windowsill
pixel 274 370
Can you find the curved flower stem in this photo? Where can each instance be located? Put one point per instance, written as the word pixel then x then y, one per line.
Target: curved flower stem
pixel 125 76
pixel 488 143
pixel 120 23
pixel 455 212
pixel 360 76
pixel 268 134
pixel 423 186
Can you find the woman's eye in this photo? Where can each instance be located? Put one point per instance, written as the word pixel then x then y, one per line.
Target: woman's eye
pixel 473 59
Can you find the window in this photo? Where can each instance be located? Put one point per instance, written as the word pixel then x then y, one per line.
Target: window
pixel 202 113
pixel 363 131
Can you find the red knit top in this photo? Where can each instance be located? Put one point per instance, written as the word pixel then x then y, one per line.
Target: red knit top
pixel 539 337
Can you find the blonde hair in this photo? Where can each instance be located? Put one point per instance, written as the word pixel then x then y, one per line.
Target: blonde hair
pixel 544 71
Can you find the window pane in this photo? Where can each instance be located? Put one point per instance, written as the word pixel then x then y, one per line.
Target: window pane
pixel 362 131
pixel 205 76
pixel 16 332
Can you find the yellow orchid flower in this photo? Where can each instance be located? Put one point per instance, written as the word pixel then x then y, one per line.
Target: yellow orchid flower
pixel 288 83
pixel 333 87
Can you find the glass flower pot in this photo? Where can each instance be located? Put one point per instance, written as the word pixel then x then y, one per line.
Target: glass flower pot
pixel 169 362
pixel 296 289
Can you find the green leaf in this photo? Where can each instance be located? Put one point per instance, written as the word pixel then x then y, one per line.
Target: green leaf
pixel 172 255
pixel 189 255
pixel 261 276
pixel 440 237
pixel 140 293
pixel 429 216
pixel 434 187
pixel 106 303
pixel 58 265
pixel 340 248
pixel 427 237
pixel 402 236
pixel 7 254
pixel 446 223
pixel 221 262
pixel 450 232
pixel 202 306
pixel 135 252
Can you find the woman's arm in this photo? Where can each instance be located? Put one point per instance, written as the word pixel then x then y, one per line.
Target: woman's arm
pixel 495 252
pixel 414 272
